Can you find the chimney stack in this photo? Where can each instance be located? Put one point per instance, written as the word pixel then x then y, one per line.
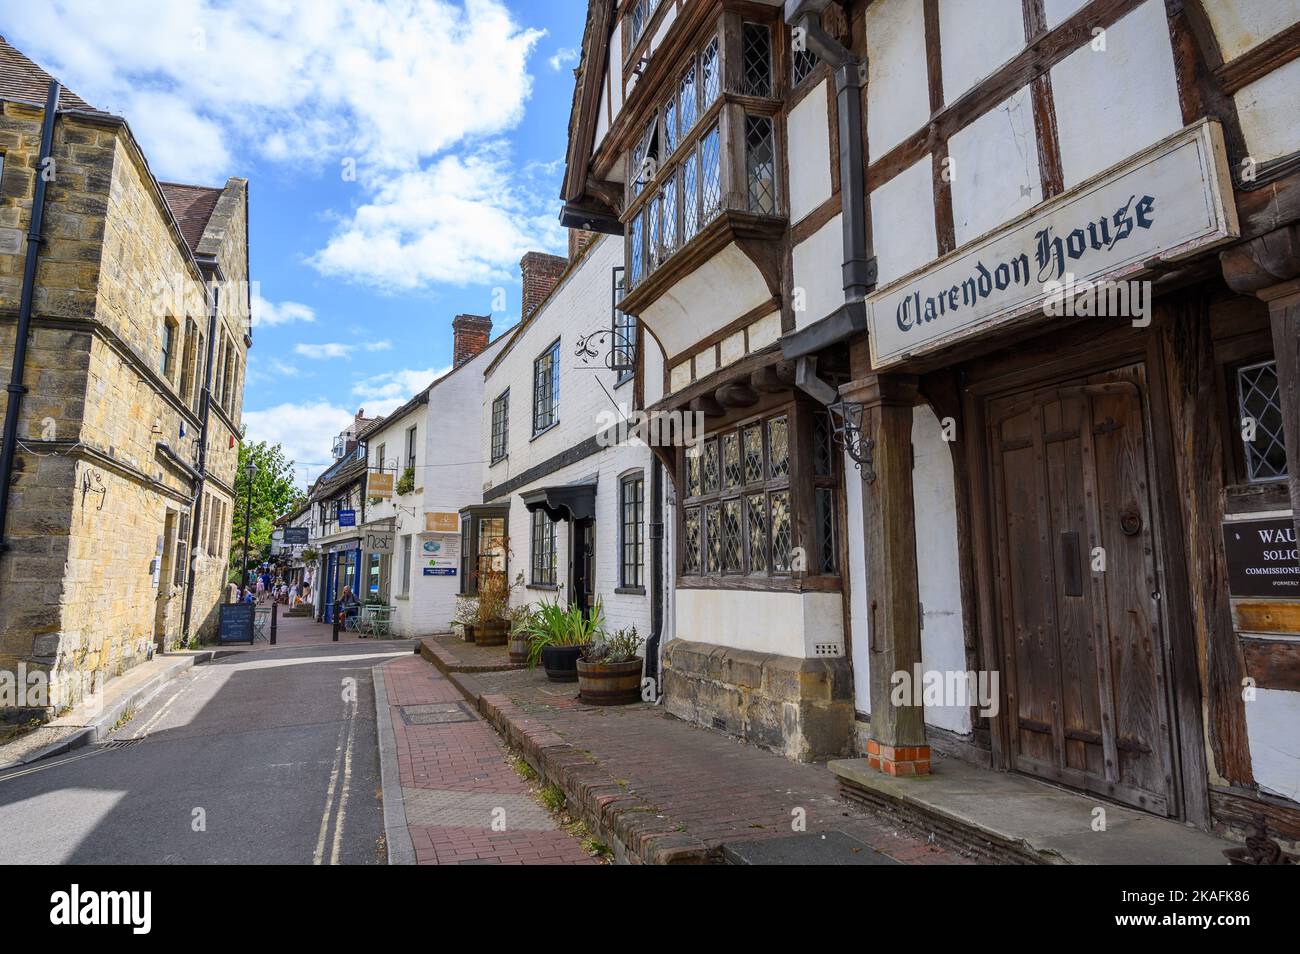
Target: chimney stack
pixel 470 335
pixel 540 272
pixel 579 239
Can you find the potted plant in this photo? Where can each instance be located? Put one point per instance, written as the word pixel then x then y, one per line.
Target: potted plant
pixel 521 623
pixel 492 623
pixel 609 671
pixel 559 634
pixel 465 615
pixel 406 483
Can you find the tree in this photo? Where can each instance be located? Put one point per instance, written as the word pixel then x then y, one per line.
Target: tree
pixel 274 495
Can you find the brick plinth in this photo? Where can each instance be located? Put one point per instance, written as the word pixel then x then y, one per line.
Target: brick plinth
pixel 899 760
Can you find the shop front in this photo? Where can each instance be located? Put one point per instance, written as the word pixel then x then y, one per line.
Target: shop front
pixel 343 569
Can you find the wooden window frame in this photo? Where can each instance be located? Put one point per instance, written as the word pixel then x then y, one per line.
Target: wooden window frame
pixel 541 532
pixel 500 430
pixel 551 351
pixel 633 582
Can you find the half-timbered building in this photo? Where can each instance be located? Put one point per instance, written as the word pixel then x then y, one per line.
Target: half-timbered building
pixel 992 312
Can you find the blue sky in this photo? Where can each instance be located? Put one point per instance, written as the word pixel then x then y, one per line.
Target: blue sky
pixel 402 156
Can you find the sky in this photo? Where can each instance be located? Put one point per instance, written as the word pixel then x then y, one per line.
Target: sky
pixel 402 156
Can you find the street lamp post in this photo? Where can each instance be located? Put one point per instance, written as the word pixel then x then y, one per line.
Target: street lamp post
pixel 250 471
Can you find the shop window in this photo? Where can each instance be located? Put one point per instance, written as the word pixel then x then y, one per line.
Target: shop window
pixel 500 425
pixel 1259 403
pixel 632 551
pixel 543 549
pixel 483 545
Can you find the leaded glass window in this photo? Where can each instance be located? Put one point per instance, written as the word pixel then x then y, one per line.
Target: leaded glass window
pixel 731 536
pixel 686 100
pixel 1259 399
pixel 731 459
pixel 711 467
pixel 782 535
pixel 692 542
pixel 710 79
pixel 690 199
pixel 760 164
pixel 710 174
pixel 632 502
pixel 756 56
pixel 500 425
pixel 753 448
pixel 668 217
pixel 636 253
pixel 802 63
pixel 756 519
pixel 543 549
pixel 778 447
pixel 546 388
pixel 824 516
pixel 713 538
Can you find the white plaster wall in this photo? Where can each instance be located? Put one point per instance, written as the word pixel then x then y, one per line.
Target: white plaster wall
pixel 653 357
pixel 902 221
pixel 995 174
pixel 808 135
pixel 786 624
pixel 602 115
pixel 859 619
pixel 977 38
pixel 579 306
pixel 1267 110
pixel 616 73
pixel 1240 25
pixel 1271 728
pixel 1059 10
pixel 817 273
pixel 1115 102
pixel 715 294
pixel 898 98
pixel 942 640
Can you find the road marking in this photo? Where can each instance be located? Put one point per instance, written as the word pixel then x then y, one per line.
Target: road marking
pixel 347 787
pixel 42 766
pixel 342 765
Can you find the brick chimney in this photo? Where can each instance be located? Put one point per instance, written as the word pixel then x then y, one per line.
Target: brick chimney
pixel 540 273
pixel 578 240
pixel 470 335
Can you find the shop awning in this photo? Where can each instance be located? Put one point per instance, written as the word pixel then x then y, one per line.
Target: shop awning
pixel 564 502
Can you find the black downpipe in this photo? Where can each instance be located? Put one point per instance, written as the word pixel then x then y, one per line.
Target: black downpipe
pixel 656 576
pixel 16 387
pixel 196 508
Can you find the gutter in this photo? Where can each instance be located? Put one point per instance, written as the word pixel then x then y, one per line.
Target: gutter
pixel 858 269
pixel 196 508
pixel 16 388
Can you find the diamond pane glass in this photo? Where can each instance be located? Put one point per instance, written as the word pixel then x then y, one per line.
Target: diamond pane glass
pixel 757 57
pixel 1260 400
pixel 668 217
pixel 778 447
pixel 760 165
pixel 686 101
pixel 693 485
pixel 652 232
pixel 752 439
pixel 638 160
pixel 670 127
pixel 690 199
pixel 823 461
pixel 691 549
pixel 635 248
pixel 803 63
pixel 731 536
pixel 709 73
pixel 756 514
pixel 713 538
pixel 825 516
pixel 782 538
pixel 731 460
pixel 710 175
pixel 711 466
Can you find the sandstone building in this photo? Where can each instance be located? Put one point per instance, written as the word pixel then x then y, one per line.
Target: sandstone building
pixel 115 528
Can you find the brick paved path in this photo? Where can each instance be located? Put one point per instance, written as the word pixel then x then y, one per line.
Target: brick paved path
pixel 456 780
pixel 700 783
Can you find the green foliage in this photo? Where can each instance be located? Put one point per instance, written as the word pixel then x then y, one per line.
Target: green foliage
pixel 557 625
pixel 622 646
pixel 406 483
pixel 552 798
pixel 274 495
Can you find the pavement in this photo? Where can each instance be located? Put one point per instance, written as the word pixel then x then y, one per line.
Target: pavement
pixel 452 795
pixel 660 791
pixel 261 756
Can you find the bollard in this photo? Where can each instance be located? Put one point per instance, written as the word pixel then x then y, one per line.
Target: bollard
pixel 275 612
pixel 336 622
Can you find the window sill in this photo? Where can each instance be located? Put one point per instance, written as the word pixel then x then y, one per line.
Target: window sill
pixel 780 584
pixel 626 379
pixel 501 459
pixel 549 427
pixel 630 590
pixel 543 586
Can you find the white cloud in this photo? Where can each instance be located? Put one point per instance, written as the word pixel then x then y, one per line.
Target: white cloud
pixel 338 349
pixel 386 392
pixel 306 431
pixel 280 313
pixel 564 56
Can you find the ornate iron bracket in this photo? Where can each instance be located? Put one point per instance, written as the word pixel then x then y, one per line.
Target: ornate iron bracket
pixel 606 348
pixel 846 424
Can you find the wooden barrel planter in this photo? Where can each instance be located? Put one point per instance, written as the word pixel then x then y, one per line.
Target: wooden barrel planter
pixel 561 662
pixel 492 633
pixel 467 632
pixel 609 684
pixel 519 645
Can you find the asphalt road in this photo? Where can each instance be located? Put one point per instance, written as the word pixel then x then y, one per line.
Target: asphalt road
pixel 265 757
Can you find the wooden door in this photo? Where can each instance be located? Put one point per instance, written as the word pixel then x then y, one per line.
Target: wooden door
pixel 1078 589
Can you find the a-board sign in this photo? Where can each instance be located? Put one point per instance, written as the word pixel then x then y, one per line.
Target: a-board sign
pixel 235 624
pixel 1262 558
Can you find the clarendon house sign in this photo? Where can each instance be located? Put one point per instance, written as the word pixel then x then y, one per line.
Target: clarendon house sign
pixel 1163 204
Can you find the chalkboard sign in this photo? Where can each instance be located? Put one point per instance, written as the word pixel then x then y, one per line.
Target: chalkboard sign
pixel 236 624
pixel 1262 558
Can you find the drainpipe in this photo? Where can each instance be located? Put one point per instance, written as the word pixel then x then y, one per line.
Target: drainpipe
pixel 859 269
pixel 16 387
pixel 205 399
pixel 656 575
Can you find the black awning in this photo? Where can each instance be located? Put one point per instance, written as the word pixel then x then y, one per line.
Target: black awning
pixel 565 502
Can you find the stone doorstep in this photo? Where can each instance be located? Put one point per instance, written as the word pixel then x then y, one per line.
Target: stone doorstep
pixel 637 832
pixel 1012 818
pixel 131 690
pixel 449 662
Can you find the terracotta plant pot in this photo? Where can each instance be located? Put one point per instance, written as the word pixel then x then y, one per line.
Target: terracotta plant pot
pixel 519 644
pixel 609 684
pixel 494 632
pixel 561 662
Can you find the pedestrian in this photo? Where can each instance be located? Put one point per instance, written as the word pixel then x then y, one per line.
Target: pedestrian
pixel 232 592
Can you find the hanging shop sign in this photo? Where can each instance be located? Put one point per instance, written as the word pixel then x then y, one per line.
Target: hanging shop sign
pixel 296 536
pixel 379 484
pixel 1164 204
pixel 441 521
pixel 379 540
pixel 1262 558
